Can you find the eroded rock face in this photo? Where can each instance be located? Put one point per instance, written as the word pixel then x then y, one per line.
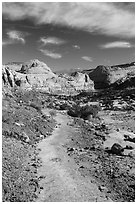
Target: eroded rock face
pixel 35 67
pixel 36 74
pixel 104 76
pixel 7 76
pixel 126 81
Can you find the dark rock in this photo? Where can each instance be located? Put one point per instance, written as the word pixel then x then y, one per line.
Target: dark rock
pixel 117 149
pixel 129 138
pixel 104 76
pixel 125 82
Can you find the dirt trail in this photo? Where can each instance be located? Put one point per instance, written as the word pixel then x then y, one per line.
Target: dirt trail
pixel 61 179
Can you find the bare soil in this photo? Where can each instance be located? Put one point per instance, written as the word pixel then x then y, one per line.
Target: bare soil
pixel 62 180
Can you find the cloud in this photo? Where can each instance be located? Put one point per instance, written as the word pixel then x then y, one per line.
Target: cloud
pixel 52 40
pixel 51 54
pixel 76 47
pixel 106 18
pixel 15 36
pixel 116 44
pixel 6 42
pixel 87 58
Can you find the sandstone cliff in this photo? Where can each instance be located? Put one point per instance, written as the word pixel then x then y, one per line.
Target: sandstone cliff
pixel 36 74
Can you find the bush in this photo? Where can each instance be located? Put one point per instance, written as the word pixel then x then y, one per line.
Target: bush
pixel 84 111
pixel 36 106
pixel 52 113
pixel 89 110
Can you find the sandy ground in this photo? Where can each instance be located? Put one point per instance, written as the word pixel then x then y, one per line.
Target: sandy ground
pixel 61 181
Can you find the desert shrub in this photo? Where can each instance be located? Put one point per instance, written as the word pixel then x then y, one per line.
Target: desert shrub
pixel 52 112
pixel 84 111
pixel 36 106
pixel 89 110
pixel 74 111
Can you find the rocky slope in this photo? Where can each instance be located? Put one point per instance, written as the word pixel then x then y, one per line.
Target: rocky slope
pixel 125 82
pixel 104 76
pixel 37 74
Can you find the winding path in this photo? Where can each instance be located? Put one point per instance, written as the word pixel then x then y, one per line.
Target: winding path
pixel 62 182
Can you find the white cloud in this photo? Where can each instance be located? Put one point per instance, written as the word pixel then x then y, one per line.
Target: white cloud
pixel 106 18
pixel 6 42
pixel 87 58
pixel 15 36
pixel 116 44
pixel 52 40
pixel 51 54
pixel 76 47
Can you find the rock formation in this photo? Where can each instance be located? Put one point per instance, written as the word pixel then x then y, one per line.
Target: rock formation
pixel 125 82
pixel 36 74
pixel 104 76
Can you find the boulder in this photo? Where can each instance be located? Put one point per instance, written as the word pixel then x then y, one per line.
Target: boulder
pixel 117 149
pixel 82 82
pixel 25 137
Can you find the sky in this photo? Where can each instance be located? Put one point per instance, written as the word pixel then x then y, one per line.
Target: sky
pixel 68 35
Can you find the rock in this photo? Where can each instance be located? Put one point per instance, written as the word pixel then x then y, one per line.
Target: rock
pixel 35 67
pixel 128 147
pixel 119 105
pixel 81 167
pixel 42 136
pixel 38 75
pixel 131 153
pixel 117 149
pixel 14 66
pixel 25 137
pixel 82 81
pixel 125 82
pixel 129 137
pixel 19 124
pixel 104 76
pixel 7 76
pixel 102 188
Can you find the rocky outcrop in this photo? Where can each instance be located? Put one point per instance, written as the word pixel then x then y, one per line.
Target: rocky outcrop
pixel 104 76
pixel 7 77
pixel 36 74
pixel 14 66
pixel 125 82
pixel 35 67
